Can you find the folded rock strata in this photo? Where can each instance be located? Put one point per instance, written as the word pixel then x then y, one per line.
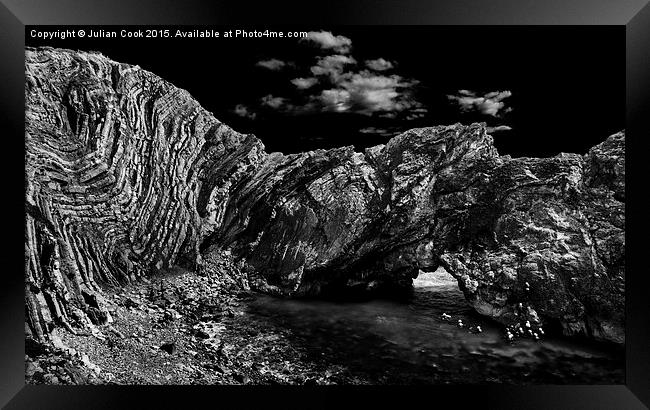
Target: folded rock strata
pixel 127 174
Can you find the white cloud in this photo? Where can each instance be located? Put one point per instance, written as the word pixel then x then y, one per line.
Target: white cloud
pixel 498 95
pixel 244 111
pixel 379 64
pixel 364 92
pixel 335 100
pixel 332 66
pixel 367 92
pixel 488 104
pixel 345 87
pixel 379 131
pixel 304 83
pixel 372 93
pixel 273 102
pixel 273 64
pixel 328 41
pixel 281 104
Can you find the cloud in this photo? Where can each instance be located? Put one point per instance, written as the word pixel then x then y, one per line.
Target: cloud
pixel 416 113
pixel 273 102
pixel 488 104
pixel 366 93
pixel 498 95
pixel 379 64
pixel 385 132
pixel 337 83
pixel 328 41
pixel 273 64
pixel 335 100
pixel 498 128
pixel 304 83
pixel 363 92
pixel 332 66
pixel 281 104
pixel 244 111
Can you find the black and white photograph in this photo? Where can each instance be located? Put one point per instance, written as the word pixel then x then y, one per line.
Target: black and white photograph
pixel 325 205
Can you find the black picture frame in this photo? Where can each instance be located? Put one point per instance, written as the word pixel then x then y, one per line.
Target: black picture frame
pixel 633 14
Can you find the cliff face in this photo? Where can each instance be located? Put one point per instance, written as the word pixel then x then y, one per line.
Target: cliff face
pixel 126 174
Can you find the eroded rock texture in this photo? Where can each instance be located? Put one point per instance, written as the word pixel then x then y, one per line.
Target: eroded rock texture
pixel 126 174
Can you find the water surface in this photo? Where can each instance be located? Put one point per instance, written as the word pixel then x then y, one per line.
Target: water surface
pixel 384 341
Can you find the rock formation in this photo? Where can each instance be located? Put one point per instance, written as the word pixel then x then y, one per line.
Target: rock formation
pixel 127 174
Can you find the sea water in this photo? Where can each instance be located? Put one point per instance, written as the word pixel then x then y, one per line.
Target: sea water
pixel 409 341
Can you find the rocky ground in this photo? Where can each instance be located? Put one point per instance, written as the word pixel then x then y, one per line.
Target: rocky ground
pixel 178 328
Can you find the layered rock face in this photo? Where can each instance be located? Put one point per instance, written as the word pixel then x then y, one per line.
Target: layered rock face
pixel 127 174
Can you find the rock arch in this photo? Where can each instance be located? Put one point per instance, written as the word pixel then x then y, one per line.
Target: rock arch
pixel 126 173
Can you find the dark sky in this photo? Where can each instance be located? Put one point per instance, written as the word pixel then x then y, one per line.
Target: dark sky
pixel 562 88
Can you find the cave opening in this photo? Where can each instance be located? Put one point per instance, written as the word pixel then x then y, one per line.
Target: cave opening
pixel 435 278
pixel 439 288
